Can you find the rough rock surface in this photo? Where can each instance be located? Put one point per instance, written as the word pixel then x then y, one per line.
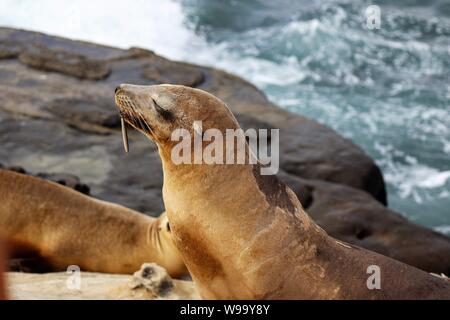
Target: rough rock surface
pixel 102 286
pixel 57 115
pixel 66 88
pixel 65 179
pixel 353 216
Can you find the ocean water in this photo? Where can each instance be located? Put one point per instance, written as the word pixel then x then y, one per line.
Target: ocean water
pixel 387 89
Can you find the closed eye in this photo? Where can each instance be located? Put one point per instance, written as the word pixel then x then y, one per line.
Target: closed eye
pixel 166 114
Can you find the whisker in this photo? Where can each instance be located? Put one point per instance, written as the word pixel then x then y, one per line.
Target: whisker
pixel 145 122
pixel 140 122
pixel 132 114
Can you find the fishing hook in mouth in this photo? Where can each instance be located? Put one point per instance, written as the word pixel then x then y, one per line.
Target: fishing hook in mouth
pixel 124 134
pixel 135 118
pixel 123 112
pixel 130 114
pixel 124 104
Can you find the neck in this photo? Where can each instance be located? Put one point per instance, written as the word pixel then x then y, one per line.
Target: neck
pixel 221 216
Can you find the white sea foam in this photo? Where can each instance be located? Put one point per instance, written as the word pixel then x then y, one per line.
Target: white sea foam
pixel 146 23
pixel 443 229
pixel 410 177
pixel 435 179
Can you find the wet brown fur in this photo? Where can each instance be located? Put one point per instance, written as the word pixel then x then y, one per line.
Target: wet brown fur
pixel 59 227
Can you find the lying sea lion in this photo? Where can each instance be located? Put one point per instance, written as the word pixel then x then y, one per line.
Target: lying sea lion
pixel 244 235
pixel 59 227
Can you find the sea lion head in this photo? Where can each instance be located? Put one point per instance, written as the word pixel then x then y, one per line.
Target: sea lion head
pixel 158 110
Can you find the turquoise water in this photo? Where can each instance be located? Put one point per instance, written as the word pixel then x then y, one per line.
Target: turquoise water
pixel 387 89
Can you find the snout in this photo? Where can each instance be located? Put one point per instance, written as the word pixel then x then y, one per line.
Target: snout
pixel 130 99
pixel 132 89
pixel 125 90
pixel 124 99
pixel 135 98
pixel 130 95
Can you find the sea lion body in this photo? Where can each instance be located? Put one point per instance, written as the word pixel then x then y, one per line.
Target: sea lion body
pixel 62 227
pixel 243 235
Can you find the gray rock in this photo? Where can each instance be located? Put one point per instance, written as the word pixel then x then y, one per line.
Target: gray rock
pixel 308 149
pixel 40 57
pixel 353 216
pixel 66 179
pixel 9 49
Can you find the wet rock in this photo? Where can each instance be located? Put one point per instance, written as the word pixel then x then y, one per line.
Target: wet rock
pixel 9 49
pixel 85 114
pixel 301 189
pixel 354 216
pixel 67 180
pixel 64 179
pixel 16 169
pixel 40 57
pixel 166 72
pixel 160 70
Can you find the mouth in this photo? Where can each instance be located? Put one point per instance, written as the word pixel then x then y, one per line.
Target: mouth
pixel 130 114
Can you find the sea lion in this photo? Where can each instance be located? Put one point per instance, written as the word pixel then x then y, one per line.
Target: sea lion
pixel 244 235
pixel 58 227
